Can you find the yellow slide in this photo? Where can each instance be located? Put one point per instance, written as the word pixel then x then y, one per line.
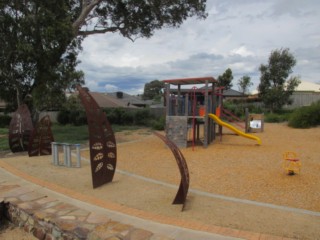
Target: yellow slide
pixel 224 124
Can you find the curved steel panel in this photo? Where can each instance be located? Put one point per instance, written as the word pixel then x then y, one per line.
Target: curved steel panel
pixel 183 168
pixel 103 148
pixel 41 138
pixel 20 129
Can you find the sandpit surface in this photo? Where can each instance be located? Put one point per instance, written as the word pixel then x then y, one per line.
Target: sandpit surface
pixel 222 178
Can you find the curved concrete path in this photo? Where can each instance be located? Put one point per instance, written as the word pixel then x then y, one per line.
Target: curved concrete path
pixel 159 225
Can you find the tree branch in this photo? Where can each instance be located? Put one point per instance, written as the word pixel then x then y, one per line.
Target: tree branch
pixel 97 31
pixel 86 9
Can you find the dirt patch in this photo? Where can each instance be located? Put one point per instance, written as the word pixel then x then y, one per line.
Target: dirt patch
pixel 8 231
pixel 234 167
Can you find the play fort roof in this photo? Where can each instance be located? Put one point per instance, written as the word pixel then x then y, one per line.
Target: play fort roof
pixel 185 81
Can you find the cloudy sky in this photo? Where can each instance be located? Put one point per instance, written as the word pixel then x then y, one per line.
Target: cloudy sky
pixel 237 34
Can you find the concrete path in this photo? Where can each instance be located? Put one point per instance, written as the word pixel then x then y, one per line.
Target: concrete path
pixel 13 187
pixel 96 215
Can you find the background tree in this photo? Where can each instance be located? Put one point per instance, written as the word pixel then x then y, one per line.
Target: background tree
pixel 225 80
pixel 153 90
pixel 244 84
pixel 275 88
pixel 40 39
pixel 38 52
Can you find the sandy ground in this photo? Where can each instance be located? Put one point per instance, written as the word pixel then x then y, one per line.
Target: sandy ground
pixel 234 167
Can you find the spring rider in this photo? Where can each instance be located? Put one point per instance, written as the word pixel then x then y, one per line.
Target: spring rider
pixel 291 164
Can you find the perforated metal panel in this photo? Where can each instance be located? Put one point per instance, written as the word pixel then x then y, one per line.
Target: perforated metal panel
pixel 103 148
pixel 41 138
pixel 20 129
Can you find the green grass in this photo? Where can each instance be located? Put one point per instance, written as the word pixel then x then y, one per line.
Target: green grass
pixel 65 133
pixel 4 144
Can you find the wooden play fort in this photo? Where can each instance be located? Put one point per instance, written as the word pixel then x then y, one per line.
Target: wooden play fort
pixel 187 109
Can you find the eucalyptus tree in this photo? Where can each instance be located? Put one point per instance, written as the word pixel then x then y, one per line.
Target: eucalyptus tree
pixel 42 38
pixel 276 87
pixel 225 80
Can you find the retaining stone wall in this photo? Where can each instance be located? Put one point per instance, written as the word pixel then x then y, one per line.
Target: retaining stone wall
pixel 50 219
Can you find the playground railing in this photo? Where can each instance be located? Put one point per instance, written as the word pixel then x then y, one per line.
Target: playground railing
pixel 232 118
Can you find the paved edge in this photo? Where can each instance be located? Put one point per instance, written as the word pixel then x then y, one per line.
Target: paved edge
pixel 193 225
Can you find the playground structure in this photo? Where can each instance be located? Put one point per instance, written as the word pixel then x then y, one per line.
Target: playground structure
pixel 187 109
pixel 224 124
pixel 198 110
pixel 291 164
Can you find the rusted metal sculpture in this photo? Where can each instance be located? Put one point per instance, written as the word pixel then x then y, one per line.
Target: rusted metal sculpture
pixel 20 129
pixel 183 168
pixel 41 138
pixel 103 148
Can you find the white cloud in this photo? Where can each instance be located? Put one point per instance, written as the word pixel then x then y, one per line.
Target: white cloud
pixel 236 34
pixel 242 51
pixel 110 88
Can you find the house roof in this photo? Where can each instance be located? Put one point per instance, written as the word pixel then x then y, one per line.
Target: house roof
pixel 308 86
pixel 304 86
pixel 104 100
pixel 127 98
pixel 226 93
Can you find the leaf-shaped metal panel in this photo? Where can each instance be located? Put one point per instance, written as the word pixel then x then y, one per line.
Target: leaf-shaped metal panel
pixel 183 168
pixel 41 138
pixel 102 141
pixel 20 129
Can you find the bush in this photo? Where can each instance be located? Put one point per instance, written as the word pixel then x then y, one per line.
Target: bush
pixel 274 118
pixel 158 124
pixel 142 117
pixel 78 118
pixel 4 121
pixel 128 118
pixel 306 117
pixel 63 117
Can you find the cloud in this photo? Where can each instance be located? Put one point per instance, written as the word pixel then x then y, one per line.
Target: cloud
pixel 237 34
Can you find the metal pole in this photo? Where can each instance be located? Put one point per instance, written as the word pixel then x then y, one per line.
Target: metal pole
pixel 55 153
pixel 68 155
pixel 65 153
pixel 78 155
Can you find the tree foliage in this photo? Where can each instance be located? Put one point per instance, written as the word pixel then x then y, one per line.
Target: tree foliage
pixel 40 39
pixel 38 52
pixel 132 18
pixel 275 87
pixel 225 80
pixel 153 90
pixel 244 84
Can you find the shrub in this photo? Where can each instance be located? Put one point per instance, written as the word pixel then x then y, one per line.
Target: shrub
pixel 4 121
pixel 78 118
pixel 158 124
pixel 306 117
pixel 63 117
pixel 141 117
pixel 128 118
pixel 274 118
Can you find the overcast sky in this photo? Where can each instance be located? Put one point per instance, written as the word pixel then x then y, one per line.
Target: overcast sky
pixel 237 34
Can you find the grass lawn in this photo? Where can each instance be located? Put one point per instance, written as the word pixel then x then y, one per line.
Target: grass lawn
pixel 65 133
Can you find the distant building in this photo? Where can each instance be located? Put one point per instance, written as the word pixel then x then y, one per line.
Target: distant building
pixel 117 99
pixel 304 95
pixel 2 105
